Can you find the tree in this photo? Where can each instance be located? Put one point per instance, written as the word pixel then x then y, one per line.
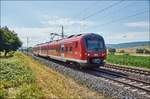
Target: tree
pixel 2 40
pixel 9 41
pixel 139 50
pixel 122 51
pixel 146 51
pixel 112 50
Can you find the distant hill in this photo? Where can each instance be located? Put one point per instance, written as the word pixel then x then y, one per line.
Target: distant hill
pixel 128 45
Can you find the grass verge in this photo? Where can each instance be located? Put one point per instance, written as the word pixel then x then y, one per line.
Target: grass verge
pixel 137 61
pixel 23 77
pixel 17 79
pixel 56 85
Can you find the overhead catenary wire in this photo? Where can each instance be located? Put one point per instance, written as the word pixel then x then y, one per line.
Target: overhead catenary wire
pixel 120 19
pixel 85 9
pixel 116 11
pixel 102 10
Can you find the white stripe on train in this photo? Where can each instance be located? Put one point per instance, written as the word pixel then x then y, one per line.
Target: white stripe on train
pixel 64 59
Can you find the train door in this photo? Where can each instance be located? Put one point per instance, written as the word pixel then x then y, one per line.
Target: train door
pixel 62 51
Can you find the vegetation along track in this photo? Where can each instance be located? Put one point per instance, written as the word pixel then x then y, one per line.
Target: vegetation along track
pixel 128 69
pixel 110 82
pixel 118 77
pixel 121 78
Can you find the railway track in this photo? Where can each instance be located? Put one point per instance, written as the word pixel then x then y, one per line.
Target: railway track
pixel 128 69
pixel 118 77
pixel 120 80
pixel 128 82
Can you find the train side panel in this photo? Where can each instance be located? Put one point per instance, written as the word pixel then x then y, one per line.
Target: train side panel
pixel 74 50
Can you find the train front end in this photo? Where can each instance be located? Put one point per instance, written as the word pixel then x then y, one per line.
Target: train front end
pixel 95 50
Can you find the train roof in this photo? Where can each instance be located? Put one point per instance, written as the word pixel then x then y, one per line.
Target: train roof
pixel 71 37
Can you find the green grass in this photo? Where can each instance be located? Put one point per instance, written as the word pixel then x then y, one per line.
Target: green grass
pixel 137 61
pixel 17 79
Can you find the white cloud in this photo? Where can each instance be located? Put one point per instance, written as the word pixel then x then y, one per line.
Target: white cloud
pixel 35 35
pixel 50 25
pixel 126 37
pixel 39 35
pixel 139 24
pixel 69 22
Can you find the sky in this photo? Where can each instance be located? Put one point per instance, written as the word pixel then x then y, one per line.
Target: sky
pixel 117 21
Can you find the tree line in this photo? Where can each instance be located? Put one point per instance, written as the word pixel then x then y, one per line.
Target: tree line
pixel 9 41
pixel 138 51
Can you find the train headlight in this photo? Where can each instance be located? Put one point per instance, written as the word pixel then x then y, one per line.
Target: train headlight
pixel 103 54
pixel 95 54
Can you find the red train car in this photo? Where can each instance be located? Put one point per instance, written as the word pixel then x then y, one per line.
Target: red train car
pixel 87 50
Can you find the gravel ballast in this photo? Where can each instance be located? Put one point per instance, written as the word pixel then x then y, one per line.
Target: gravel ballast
pixel 99 84
pixel 132 74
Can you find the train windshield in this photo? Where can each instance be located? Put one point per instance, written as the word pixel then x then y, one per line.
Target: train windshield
pixel 94 44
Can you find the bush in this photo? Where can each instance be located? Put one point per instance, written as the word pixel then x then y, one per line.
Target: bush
pixel 112 50
pixel 142 51
pixel 126 54
pixel 121 51
pixel 146 51
pixel 139 50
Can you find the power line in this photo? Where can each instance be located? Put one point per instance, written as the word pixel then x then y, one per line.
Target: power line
pixel 102 10
pixel 85 9
pixel 123 18
pixel 115 12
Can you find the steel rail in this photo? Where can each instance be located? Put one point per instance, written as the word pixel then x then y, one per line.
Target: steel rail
pixel 125 83
pixel 128 69
pixel 128 78
pixel 115 74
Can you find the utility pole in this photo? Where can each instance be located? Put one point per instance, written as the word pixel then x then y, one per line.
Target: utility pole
pixel 52 35
pixel 62 32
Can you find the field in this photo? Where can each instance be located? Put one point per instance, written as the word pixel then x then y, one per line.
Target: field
pixel 17 80
pixel 137 61
pixel 132 50
pixel 23 77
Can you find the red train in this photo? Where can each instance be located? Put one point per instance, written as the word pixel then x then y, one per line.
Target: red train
pixel 84 50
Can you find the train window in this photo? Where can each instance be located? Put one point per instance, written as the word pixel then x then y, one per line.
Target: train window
pixel 76 45
pixel 71 49
pixel 66 49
